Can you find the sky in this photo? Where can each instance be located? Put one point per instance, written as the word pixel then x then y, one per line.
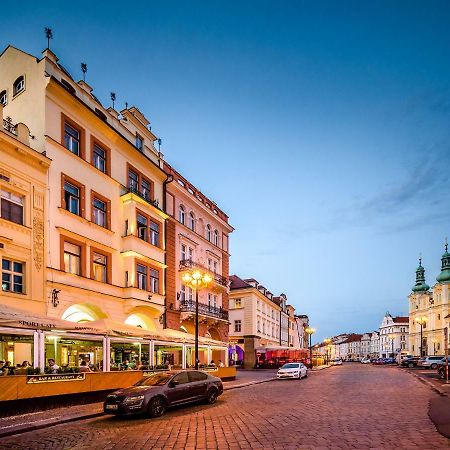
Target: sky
pixel 320 128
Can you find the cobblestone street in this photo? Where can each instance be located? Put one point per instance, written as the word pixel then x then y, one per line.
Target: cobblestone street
pixel 352 406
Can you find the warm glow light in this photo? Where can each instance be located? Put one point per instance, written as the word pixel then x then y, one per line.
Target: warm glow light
pixel 421 320
pixel 186 278
pixel 310 330
pixel 207 278
pixel 197 276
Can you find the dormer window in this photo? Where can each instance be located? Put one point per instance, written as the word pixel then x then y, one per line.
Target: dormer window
pixel 19 85
pixel 139 142
pixel 3 98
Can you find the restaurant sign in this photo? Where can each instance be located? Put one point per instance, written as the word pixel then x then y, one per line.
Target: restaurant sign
pixel 55 377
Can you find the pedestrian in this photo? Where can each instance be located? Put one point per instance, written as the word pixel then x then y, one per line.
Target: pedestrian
pixel 84 367
pixel 221 364
pixel 53 366
pixel 212 363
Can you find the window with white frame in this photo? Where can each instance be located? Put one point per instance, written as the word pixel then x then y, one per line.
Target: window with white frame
pixel 183 252
pixel 139 142
pixel 190 253
pixel 216 237
pixel 72 138
pixel 13 273
pixel 141 276
pixel 72 258
pixel 237 326
pixel 238 303
pixel 208 232
pixel 19 85
pixel 192 221
pixel 183 293
pixel 3 98
pixel 12 207
pixel 99 209
pixel 181 214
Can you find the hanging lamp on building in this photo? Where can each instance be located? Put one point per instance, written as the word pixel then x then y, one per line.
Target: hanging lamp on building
pixel 444 276
pixel 420 285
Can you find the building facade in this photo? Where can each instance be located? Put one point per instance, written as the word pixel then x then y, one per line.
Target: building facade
pixel 393 336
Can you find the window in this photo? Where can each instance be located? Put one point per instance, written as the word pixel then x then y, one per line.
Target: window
pixel 72 139
pixel 237 326
pixel 190 253
pixel 142 224
pixel 210 264
pixel 208 232
pixel 154 281
pixel 19 85
pixel 258 326
pixel 238 303
pixel 181 378
pixel 11 207
pixel 215 266
pixel 146 188
pixel 197 376
pixel 138 183
pixel 216 237
pixel 99 267
pixel 139 142
pixel 72 198
pixel 72 258
pixel 183 252
pixel 154 233
pixel 141 276
pixel 192 221
pixel 99 157
pixel 190 294
pixel 12 276
pixel 183 293
pixel 181 214
pixel 101 208
pixel 3 98
pixel 133 181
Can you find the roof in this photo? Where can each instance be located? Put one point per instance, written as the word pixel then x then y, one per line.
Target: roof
pixel 401 319
pixel 353 338
pixel 238 283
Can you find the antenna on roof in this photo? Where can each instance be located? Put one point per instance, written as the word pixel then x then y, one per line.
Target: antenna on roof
pixel 113 98
pixel 126 105
pixel 84 70
pixel 49 35
pixel 159 144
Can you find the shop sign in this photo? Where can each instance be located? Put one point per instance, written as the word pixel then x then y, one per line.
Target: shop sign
pixel 55 377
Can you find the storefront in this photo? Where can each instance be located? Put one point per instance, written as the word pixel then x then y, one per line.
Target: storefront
pixel 167 354
pixel 17 346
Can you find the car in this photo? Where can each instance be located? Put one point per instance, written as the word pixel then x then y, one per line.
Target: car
pixel 441 368
pixel 410 362
pixel 336 362
pixel 295 370
pixel 155 393
pixel 365 361
pixel 379 362
pixel 390 361
pixel 429 362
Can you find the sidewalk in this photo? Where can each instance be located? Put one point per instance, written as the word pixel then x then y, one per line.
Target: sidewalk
pixel 42 419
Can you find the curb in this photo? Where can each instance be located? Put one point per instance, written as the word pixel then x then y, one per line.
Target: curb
pixel 46 423
pixel 429 384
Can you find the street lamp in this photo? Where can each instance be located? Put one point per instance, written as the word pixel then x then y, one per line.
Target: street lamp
pixel 196 280
pixel 310 331
pixel 327 342
pixel 421 321
pixel 392 337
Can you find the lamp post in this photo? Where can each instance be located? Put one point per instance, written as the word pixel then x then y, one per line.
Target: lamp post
pixel 392 337
pixel 310 331
pixel 421 321
pixel 327 342
pixel 196 280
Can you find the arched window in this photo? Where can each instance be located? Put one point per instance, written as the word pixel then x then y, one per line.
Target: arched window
pixel 181 215
pixel 3 98
pixel 208 232
pixel 216 237
pixel 192 221
pixel 19 85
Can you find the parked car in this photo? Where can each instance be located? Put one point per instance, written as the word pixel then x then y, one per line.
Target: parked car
pixel 293 370
pixel 379 362
pixel 441 368
pixel 410 362
pixel 336 362
pixel 390 361
pixel 429 362
pixel 161 390
pixel 365 361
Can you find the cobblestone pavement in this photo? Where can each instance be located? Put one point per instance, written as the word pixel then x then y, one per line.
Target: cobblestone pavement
pixel 352 406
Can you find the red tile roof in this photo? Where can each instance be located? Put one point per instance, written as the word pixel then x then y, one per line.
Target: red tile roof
pixel 238 283
pixel 400 319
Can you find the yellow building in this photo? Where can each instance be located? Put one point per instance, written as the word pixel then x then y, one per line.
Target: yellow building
pixel 105 248
pixel 427 311
pixel 23 180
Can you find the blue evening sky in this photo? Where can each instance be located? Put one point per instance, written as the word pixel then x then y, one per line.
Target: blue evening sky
pixel 321 128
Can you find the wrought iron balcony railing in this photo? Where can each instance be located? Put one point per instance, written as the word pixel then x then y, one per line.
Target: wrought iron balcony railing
pixel 144 195
pixel 188 264
pixel 203 309
pixel 9 126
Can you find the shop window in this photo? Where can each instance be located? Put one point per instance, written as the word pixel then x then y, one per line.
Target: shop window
pixel 13 273
pixel 12 207
pixel 19 85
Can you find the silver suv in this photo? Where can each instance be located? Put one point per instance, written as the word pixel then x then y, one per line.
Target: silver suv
pixel 429 362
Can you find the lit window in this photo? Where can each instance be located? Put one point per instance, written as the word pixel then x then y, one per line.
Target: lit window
pixel 237 326
pixel 192 221
pixel 72 258
pixel 12 276
pixel 3 98
pixel 11 207
pixel 216 237
pixel 72 139
pixel 99 263
pixel 181 214
pixel 99 212
pixel 99 156
pixel 141 276
pixel 19 85
pixel 139 143
pixel 154 281
pixel 154 233
pixel 72 198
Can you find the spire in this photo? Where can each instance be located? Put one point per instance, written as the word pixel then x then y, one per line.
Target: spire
pixel 444 276
pixel 420 285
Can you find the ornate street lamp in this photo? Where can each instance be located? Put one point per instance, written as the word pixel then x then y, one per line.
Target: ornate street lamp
pixel 421 321
pixel 310 331
pixel 196 280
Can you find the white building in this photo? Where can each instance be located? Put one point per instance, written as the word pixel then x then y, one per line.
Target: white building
pixel 365 345
pixel 374 345
pixel 394 332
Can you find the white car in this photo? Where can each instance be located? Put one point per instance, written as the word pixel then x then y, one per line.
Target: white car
pixel 336 362
pixel 293 370
pixel 365 361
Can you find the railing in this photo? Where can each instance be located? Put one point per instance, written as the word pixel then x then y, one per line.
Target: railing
pixel 9 126
pixel 188 264
pixel 144 195
pixel 206 310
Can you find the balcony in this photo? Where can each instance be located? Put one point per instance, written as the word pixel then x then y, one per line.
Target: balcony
pixel 143 195
pixel 9 126
pixel 189 264
pixel 204 310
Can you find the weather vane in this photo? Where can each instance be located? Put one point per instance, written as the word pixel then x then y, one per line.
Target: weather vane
pixel 113 98
pixel 49 35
